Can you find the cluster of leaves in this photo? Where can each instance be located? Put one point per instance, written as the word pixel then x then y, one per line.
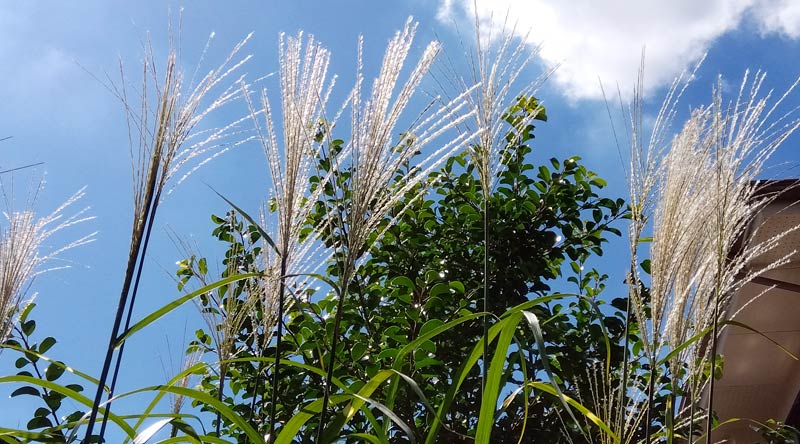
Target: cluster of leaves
pixel 776 432
pixel 39 376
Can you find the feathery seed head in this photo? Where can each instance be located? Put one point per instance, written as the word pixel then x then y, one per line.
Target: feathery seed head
pixel 163 125
pixel 375 156
pixel 23 239
pixel 709 176
pixel 497 71
pixel 700 193
pixel 304 91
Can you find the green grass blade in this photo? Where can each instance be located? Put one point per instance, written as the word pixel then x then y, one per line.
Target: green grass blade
pixel 418 391
pixel 493 379
pixel 197 395
pixel 707 330
pixel 413 345
pixel 188 371
pixel 75 396
pixel 316 370
pixel 588 414
pixel 203 439
pixel 150 431
pixel 668 415
pixel 80 374
pixel 524 388
pixel 606 341
pixel 389 413
pixel 214 403
pixel 181 438
pixel 292 428
pixel 252 221
pixel 537 301
pixel 142 416
pixel 774 342
pixel 367 390
pixel 683 346
pixel 533 323
pixel 702 438
pixel 26 435
pixel 364 437
pixel 161 312
pixel 459 377
pixel 376 426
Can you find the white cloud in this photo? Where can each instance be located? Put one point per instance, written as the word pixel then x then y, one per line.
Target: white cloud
pixel 604 40
pixel 778 16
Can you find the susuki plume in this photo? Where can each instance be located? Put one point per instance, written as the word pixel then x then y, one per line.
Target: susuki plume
pixel 162 127
pixel 304 92
pixel 374 154
pixel 699 194
pixel 497 71
pixel 23 239
pixel 164 137
pixel 731 143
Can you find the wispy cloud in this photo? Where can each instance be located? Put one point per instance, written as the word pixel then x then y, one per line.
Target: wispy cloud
pixel 605 39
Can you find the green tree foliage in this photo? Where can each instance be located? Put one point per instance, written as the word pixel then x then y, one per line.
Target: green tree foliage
pixel 41 377
pixel 545 222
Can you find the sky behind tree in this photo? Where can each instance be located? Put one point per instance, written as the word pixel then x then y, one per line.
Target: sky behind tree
pixel 57 56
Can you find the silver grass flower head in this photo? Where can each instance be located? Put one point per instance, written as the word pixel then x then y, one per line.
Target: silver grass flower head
pixel 373 153
pixel 499 70
pixel 701 195
pixel 291 158
pixel 498 65
pixel 645 172
pixel 710 176
pixel 165 122
pixel 24 253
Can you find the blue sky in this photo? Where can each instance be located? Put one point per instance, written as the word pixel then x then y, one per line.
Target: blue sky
pixel 59 114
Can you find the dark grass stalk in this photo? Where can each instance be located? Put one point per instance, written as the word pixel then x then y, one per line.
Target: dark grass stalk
pixel 136 247
pixel 278 343
pixel 634 286
pixel 255 387
pixel 721 253
pixel 222 372
pixel 691 419
pixel 624 381
pixel 123 302
pixel 134 292
pixel 345 280
pixel 22 167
